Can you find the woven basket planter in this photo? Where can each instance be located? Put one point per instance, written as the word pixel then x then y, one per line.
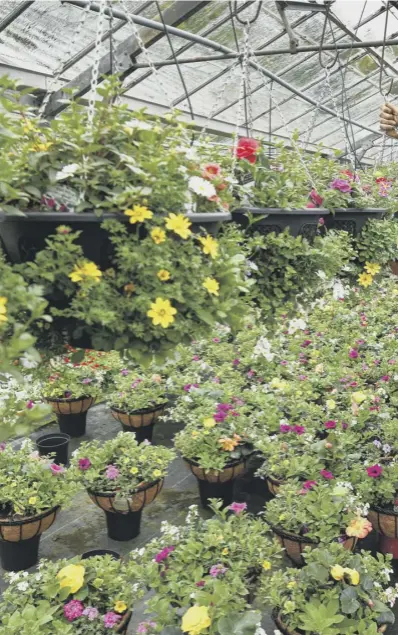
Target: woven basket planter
pixel 141 422
pixel 384 521
pixel 295 544
pixel 286 631
pixel 25 528
pixel 274 485
pixel 230 472
pixel 143 497
pixel 123 625
pixel 71 406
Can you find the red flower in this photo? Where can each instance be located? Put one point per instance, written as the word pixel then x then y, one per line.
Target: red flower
pixel 247 149
pixel 381 179
pixel 374 471
pixel 315 198
pixel 347 173
pixel 211 171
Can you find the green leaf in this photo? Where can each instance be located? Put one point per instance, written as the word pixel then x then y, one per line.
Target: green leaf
pixel 348 601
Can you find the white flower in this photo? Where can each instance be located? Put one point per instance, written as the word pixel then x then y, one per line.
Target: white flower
pixel 296 324
pixel 321 274
pixel 28 362
pixel 38 576
pixel 13 576
pixel 339 290
pixel 23 586
pixel 201 187
pixel 263 349
pixel 67 170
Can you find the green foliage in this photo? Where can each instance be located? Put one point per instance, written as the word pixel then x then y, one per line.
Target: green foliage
pixel 378 242
pixel 137 391
pixel 65 381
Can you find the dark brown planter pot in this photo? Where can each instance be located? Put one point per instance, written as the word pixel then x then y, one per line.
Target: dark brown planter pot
pixel 141 422
pixel 295 544
pixel 216 483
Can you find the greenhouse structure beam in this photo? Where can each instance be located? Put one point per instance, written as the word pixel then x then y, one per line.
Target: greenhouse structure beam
pixel 13 15
pixel 125 51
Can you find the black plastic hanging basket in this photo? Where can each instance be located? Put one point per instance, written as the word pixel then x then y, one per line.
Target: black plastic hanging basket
pixel 301 222
pixel 352 220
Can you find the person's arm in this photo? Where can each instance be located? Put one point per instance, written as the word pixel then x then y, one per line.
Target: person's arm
pixel 389 120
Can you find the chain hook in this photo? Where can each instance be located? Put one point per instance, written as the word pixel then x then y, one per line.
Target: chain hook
pixel 388 92
pixel 327 20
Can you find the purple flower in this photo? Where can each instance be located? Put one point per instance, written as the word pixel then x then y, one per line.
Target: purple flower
pixel 30 404
pixel 217 569
pixel 299 429
pixel 87 380
pixel 73 610
pixel 84 464
pixel 237 508
pixel 251 373
pixel 124 372
pixel 219 417
pixel 162 555
pixel 56 469
pixel 112 472
pixel 302 377
pixel 377 443
pixel 305 343
pixel 326 474
pixel 91 613
pixel 111 619
pixel 188 387
pixel 353 354
pixel 284 427
pixel 330 425
pixel 200 584
pixel 341 185
pixel 2 447
pixel 283 362
pixel 216 380
pixel 236 362
pixel 360 342
pixel 344 425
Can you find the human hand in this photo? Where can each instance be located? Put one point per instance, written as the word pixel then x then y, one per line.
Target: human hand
pixel 389 120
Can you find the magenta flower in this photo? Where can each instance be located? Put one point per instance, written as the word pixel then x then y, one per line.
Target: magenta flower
pixel 200 584
pixel 216 340
pixel 344 425
pixel 236 362
pixel 73 610
pixel 56 469
pixel 283 362
pixel 309 485
pixel 84 464
pixel 188 387
pixel 353 354
pixel 91 613
pixel 2 447
pixel 374 471
pixel 237 508
pixel 251 373
pixel 330 425
pixel 220 416
pixel 302 377
pixel 321 222
pixel 306 343
pixel 112 472
pixel 111 619
pixel 326 474
pixel 124 372
pixel 385 378
pixel 299 429
pixel 195 358
pixel 162 555
pixel 341 185
pixel 316 198
pixel 30 404
pixel 217 569
pixel 284 427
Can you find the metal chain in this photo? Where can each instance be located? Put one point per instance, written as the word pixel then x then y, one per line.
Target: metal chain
pixel 249 95
pixel 95 71
pixel 53 84
pixel 243 85
pixel 349 153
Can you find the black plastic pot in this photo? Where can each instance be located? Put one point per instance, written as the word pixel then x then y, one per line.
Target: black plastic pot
pixel 74 425
pixel 123 526
pixel 57 442
pixel 301 222
pixel 18 556
pixel 211 221
pixel 101 552
pixel 207 490
pixel 352 220
pixel 145 433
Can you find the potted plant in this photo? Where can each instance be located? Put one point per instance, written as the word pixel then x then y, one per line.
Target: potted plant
pixel 215 442
pixel 305 514
pixel 71 391
pixel 77 596
pixel 137 401
pixel 219 574
pixel 336 592
pixel 32 490
pixel 377 244
pixel 121 477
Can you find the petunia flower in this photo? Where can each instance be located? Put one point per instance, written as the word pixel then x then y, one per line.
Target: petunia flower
pixel 374 471
pixel 237 508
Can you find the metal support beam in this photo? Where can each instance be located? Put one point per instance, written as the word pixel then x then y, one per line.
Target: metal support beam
pixel 125 51
pixel 14 14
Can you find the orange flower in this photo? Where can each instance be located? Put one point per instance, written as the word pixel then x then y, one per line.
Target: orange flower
pixel 359 527
pixel 228 444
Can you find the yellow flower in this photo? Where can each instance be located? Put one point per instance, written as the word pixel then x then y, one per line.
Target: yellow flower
pixel 71 576
pixel 85 271
pixel 365 279
pixel 138 214
pixel 32 500
pixel 163 275
pixel 194 434
pixel 3 309
pixel 225 551
pixel 352 575
pixel 337 572
pixel 120 607
pixel 179 224
pixel 291 584
pixel 267 565
pixel 228 444
pixel 330 404
pixel 134 470
pixel 358 397
pixel 158 235
pixel 359 527
pixel 209 246
pixel 211 285
pixel 372 268
pixel 162 313
pixel 196 620
pixel 28 126
pixel 157 473
pixel 209 422
pixel 42 147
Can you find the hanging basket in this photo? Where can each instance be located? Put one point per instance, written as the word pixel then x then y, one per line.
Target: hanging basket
pixel 138 418
pixel 274 484
pixel 123 625
pixel 301 222
pixel 17 530
pixel 210 221
pixel 71 406
pixel 140 499
pixel 295 544
pixel 384 521
pixel 230 472
pixel 352 220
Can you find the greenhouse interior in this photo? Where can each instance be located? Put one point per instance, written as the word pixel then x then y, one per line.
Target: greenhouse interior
pixel 198 339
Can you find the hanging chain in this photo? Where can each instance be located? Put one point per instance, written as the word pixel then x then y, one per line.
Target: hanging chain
pixel 349 153
pixel 243 86
pixel 95 71
pixel 54 82
pixel 311 125
pixel 249 95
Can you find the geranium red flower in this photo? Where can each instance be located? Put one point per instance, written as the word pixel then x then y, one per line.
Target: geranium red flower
pixel 247 149
pixel 374 471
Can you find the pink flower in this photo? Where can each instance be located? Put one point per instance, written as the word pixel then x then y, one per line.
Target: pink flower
pixel 30 404
pixel 124 372
pixel 91 613
pixel 353 354
pixel 84 464
pixel 385 378
pixel 341 185
pixel 302 377
pixel 216 340
pixel 374 471
pixel 247 149
pixel 56 469
pixel 331 424
pixel 2 447
pixel 251 373
pixel 305 343
pixel 237 508
pixel 211 171
pixel 217 569
pixel 144 627
pixel 112 472
pixel 321 222
pixel 111 619
pixel 188 387
pixel 87 380
pixel 309 484
pixel 316 198
pixel 284 427
pixel 298 429
pixel 326 474
pixel 162 555
pixel 73 610
pixel 200 584
pixel 195 358
pixel 311 206
pixel 236 362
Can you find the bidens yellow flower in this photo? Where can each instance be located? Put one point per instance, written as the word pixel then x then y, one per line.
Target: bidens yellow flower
pixel 211 285
pixel 134 470
pixel 209 423
pixel 352 576
pixel 158 235
pixel 372 268
pixel 42 147
pixel 196 620
pixel 337 572
pixel 209 246
pixel 85 271
pixel 157 473
pixel 3 309
pixel 163 275
pixel 225 551
pixel 138 214
pixel 267 565
pixel 179 224
pixel 365 279
pixel 32 500
pixel 71 576
pixel 120 607
pixel 162 313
